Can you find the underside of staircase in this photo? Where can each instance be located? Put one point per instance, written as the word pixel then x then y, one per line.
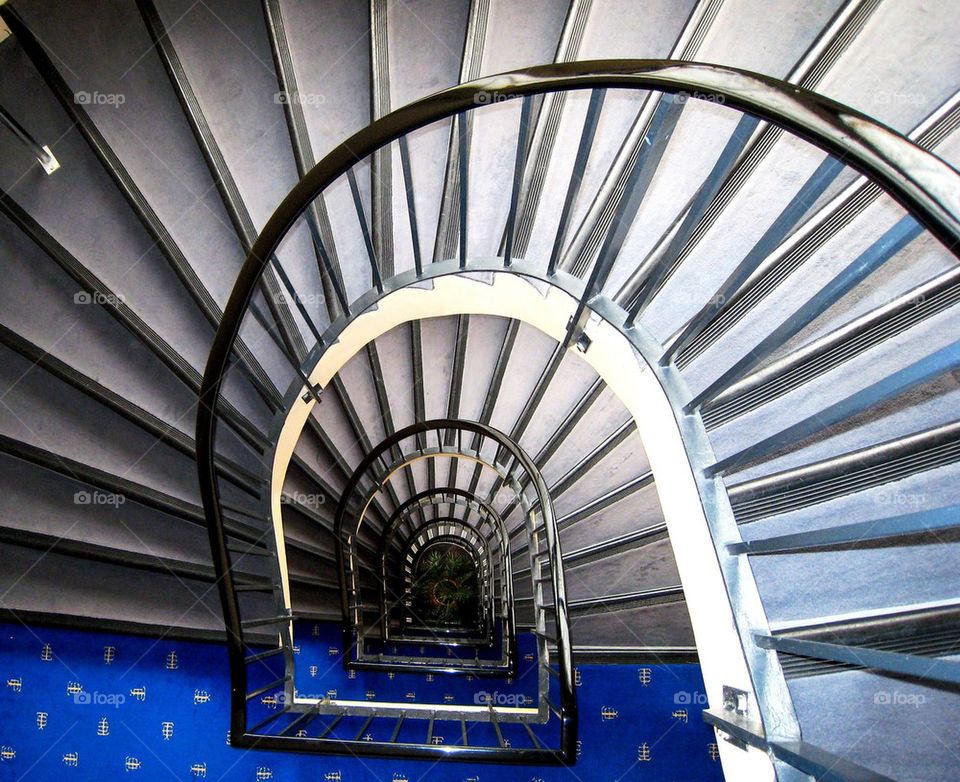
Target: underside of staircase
pixel 641 312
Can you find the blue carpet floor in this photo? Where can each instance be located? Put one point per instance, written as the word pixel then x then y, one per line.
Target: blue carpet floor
pixel 91 706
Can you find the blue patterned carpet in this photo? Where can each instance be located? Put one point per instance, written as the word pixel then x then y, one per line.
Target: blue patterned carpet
pixel 90 706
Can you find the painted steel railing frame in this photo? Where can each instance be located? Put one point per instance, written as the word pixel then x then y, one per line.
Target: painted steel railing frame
pixel 918 180
pixel 541 507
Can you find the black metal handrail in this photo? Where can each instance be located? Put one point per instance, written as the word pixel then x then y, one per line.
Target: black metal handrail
pixel 452 532
pixel 42 153
pixel 438 530
pixel 455 496
pixel 500 569
pixel 917 179
pixel 372 471
pixel 495 566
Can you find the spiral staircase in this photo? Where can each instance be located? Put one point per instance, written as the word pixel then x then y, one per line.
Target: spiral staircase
pixel 663 348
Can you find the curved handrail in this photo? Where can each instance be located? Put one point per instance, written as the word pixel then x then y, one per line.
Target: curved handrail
pixel 487 515
pixel 918 180
pixel 479 554
pixel 567 706
pixel 351 602
pixel 399 464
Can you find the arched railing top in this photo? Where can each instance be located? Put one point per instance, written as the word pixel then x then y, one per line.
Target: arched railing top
pixel 439 496
pixel 922 183
pixel 917 179
pixel 520 463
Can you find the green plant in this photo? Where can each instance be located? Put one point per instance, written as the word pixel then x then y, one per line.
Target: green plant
pixel 445 590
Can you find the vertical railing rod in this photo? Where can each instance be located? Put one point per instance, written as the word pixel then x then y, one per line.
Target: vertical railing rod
pixel 43 154
pixel 291 291
pixel 363 729
pixel 590 122
pixel 701 201
pixel 411 204
pixel 662 125
pixel 463 163
pixel 396 729
pixel 303 720
pixel 496 728
pixel 327 730
pixel 520 165
pixel 365 230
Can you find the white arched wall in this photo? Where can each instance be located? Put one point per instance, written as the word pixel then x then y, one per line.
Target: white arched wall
pixel 510 295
